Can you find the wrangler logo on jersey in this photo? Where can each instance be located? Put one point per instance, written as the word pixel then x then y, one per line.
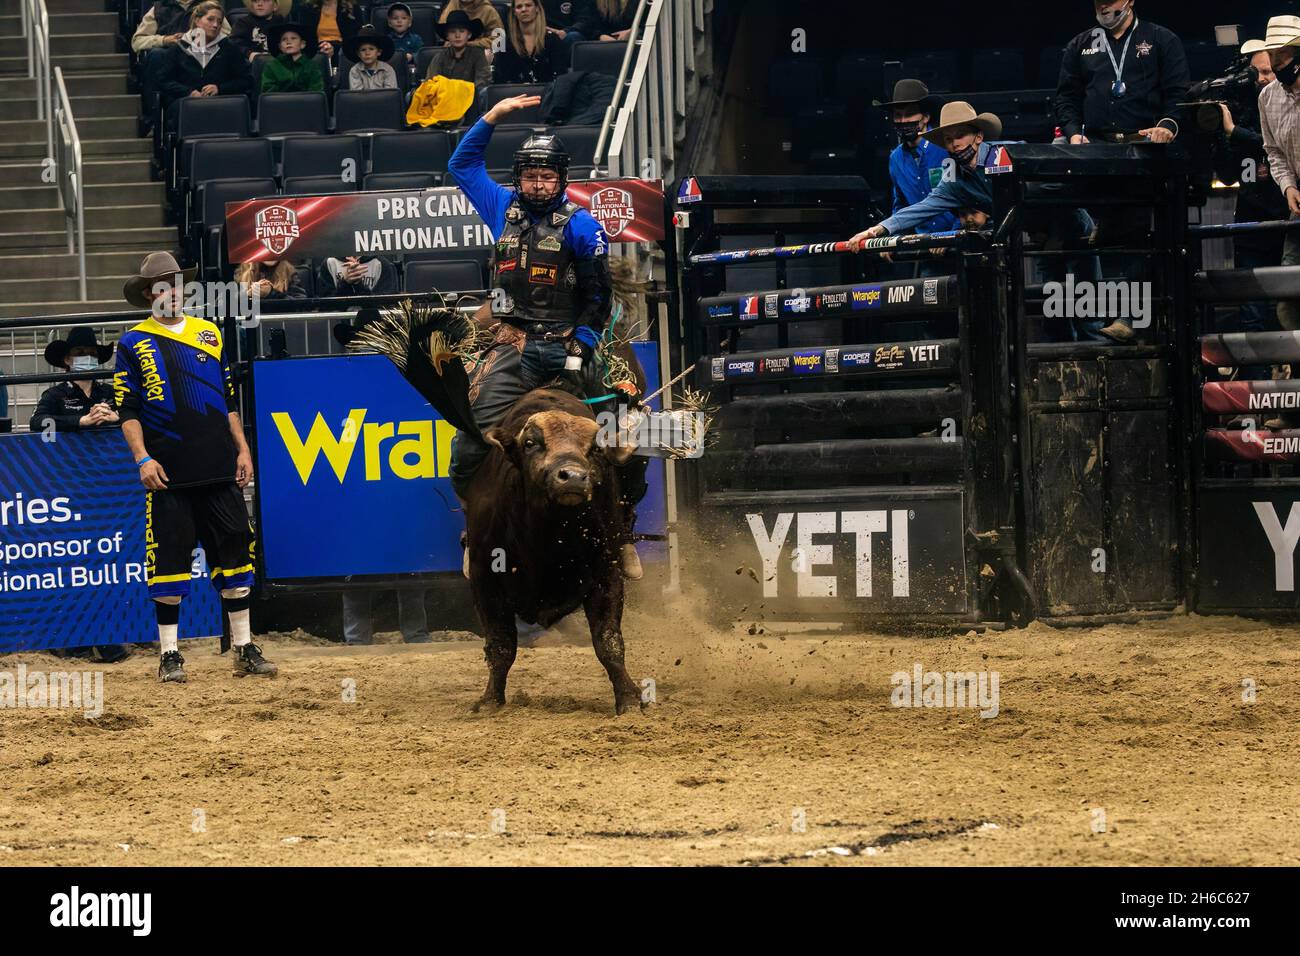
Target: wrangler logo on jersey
pixel 150 380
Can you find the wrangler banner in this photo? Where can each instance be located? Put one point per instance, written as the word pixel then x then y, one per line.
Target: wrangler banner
pixel 415 221
pixel 72 547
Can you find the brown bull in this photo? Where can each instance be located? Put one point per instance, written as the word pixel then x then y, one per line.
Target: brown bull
pixel 544 524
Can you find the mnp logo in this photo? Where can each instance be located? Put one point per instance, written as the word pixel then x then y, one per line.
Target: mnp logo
pixel 276 227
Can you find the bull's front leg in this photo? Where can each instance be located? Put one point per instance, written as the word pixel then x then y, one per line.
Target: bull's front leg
pixel 500 643
pixel 604 606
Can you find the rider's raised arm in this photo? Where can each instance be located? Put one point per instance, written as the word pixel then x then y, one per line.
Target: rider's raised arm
pixel 469 170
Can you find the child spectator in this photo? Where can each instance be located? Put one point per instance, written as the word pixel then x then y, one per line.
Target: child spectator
pixel 84 403
pixel 458 59
pixel 606 19
pixel 370 49
pixel 351 276
pixel 202 63
pixel 274 279
pixel 331 22
pixel 486 15
pixel 292 70
pixel 399 31
pixel 249 35
pixel 533 54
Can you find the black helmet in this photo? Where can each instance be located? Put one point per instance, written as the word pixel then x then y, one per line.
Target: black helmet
pixel 545 151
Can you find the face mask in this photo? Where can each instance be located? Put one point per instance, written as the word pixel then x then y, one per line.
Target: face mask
pixel 908 133
pixel 1114 18
pixel 83 363
pixel 1286 75
pixel 964 156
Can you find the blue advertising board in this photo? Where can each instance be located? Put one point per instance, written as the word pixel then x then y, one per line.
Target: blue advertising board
pixel 72 547
pixel 352 471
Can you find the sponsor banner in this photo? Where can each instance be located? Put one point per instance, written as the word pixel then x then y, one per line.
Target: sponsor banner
pixel 352 471
pixel 689 191
pixel 893 357
pixel 415 221
pixel 1242 398
pixel 1257 571
pixel 879 555
pixel 894 298
pixel 72 547
pixel 1260 444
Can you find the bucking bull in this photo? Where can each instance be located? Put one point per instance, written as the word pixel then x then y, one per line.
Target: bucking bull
pixel 543 513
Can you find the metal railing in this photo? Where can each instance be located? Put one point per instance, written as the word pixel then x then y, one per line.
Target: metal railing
pixel 36 29
pixel 71 178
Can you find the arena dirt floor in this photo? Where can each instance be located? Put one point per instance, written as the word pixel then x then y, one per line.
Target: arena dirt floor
pixel 1127 744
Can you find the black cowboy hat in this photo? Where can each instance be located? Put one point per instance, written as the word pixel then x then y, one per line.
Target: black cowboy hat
pixel 912 93
pixel 56 353
pixel 276 30
pixel 459 18
pixel 368 34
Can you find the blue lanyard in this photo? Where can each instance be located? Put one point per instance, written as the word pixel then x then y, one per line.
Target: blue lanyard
pixel 1119 67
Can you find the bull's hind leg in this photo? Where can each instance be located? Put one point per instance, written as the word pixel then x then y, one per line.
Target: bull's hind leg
pixel 604 607
pixel 500 643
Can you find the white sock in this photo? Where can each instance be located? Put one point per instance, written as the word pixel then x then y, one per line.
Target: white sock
pixel 241 628
pixel 167 637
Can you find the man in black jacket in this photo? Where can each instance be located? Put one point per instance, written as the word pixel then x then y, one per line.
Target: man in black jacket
pixel 81 404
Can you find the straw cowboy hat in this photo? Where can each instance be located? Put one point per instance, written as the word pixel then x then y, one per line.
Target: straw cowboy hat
pixel 368 34
pixel 958 114
pixel 154 267
pixel 912 93
pixel 459 18
pixel 56 353
pixel 1251 47
pixel 1282 31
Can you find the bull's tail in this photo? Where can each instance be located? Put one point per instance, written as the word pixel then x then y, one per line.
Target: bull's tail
pixel 429 345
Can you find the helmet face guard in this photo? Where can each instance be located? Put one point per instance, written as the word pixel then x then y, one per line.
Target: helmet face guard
pixel 541 152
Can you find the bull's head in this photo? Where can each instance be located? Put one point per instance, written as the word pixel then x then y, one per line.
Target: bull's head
pixel 558 452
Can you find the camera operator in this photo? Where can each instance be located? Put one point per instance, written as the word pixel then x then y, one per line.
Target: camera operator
pixel 1279 122
pixel 1239 157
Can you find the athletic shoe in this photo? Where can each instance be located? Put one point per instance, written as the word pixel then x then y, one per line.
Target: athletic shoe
pixel 630 562
pixel 171 669
pixel 249 660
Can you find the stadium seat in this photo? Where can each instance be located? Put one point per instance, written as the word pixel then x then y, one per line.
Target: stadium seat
pixel 317 186
pixel 443 276
pixel 414 151
pixel 422 61
pixel 599 56
pixel 389 181
pixel 858 80
pixel 367 111
pixel 508 137
pixel 998 70
pixel 795 82
pixel 322 156
pixel 480 257
pixel 497 92
pixel 208 234
pixel 281 113
pixel 1206 59
pixel 214 159
pixel 423 17
pixel 938 71
pixel 205 117
pixel 580 141
pixel 1049 67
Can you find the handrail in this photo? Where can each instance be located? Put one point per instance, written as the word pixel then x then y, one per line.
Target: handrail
pixel 620 85
pixel 71 178
pixel 36 28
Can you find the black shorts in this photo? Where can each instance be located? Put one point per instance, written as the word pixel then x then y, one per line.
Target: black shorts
pixel 177 519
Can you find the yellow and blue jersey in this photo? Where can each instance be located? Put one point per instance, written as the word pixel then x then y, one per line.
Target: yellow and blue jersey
pixel 176 383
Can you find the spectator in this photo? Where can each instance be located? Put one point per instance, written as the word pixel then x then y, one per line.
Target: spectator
pixel 561 15
pixel 1278 122
pixel 331 22
pixel 358 627
pixel 82 404
pixel 249 35
pixel 351 276
pixel 274 279
pixel 293 70
pixel 399 31
pixel 459 59
pixel 486 15
pixel 370 49
pixel 202 63
pixel 159 31
pixel 533 53
pixel 605 19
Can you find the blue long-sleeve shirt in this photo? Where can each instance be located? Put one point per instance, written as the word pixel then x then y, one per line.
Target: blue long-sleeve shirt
pixel 469 170
pixel 914 174
pixel 970 187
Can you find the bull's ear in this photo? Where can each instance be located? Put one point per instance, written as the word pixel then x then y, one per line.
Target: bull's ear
pixel 501 439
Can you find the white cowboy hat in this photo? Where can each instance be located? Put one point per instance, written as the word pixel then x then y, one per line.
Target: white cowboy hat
pixel 959 113
pixel 1282 31
pixel 1251 47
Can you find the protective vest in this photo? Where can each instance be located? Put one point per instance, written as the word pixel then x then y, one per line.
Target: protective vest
pixel 535 267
